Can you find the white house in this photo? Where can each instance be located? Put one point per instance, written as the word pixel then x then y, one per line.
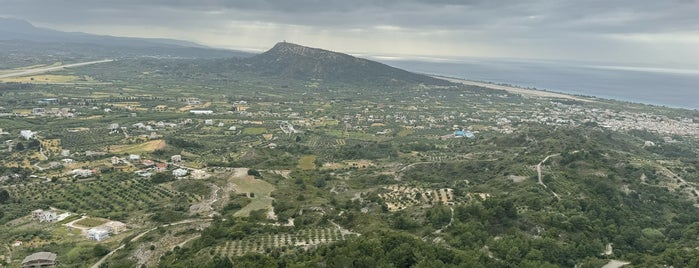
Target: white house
pixel 198 112
pixel 27 134
pixel 97 233
pixel 81 173
pixel 176 158
pixel 134 157
pixel 208 122
pixel 180 172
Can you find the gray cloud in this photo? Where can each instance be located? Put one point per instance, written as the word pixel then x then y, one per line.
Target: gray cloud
pixel 537 28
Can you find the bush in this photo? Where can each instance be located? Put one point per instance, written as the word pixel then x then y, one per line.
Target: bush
pixel 253 172
pixel 162 177
pixel 4 196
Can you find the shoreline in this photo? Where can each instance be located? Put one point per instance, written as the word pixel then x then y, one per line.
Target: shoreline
pixel 514 89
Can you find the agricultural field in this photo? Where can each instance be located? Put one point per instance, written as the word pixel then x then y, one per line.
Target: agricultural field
pixel 254 131
pixel 258 191
pixel 308 238
pixel 401 197
pixel 307 162
pixel 47 79
pixel 90 222
pixel 98 197
pixel 142 148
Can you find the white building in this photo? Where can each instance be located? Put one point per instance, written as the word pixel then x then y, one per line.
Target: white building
pixel 208 122
pixel 134 157
pixel 198 112
pixel 97 233
pixel 180 172
pixel 27 134
pixel 176 158
pixel 81 173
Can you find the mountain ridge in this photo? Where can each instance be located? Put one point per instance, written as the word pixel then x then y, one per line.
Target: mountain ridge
pixel 16 32
pixel 291 60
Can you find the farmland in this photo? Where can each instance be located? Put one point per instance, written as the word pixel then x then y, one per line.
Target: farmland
pixel 286 170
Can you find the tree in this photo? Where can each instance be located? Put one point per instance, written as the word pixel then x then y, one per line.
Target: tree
pixel 253 172
pixel 100 250
pixel 162 177
pixel 4 196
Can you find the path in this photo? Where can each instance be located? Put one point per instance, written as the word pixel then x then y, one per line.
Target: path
pixel 9 254
pixel 343 231
pixel 185 242
pixel 451 221
pixel 538 171
pixel 98 263
pixel 615 264
pixel 49 69
pixel 82 229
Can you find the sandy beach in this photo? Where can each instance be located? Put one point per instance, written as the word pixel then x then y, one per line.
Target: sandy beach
pixel 516 90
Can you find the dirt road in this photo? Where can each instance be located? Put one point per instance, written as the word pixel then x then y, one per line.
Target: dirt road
pixel 538 171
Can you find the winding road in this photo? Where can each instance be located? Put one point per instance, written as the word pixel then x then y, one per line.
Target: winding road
pixel 50 68
pixel 98 263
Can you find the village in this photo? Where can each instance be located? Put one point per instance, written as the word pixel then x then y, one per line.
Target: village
pixel 101 170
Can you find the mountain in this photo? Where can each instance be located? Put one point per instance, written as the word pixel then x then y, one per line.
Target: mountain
pixel 18 33
pixel 299 62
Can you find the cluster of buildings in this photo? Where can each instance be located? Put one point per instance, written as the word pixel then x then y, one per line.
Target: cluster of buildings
pixel 103 231
pixel 51 215
pixel 559 114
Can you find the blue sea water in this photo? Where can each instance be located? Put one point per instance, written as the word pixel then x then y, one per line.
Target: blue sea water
pixel 677 88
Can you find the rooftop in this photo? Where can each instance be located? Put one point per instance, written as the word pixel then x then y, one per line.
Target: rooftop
pixel 40 256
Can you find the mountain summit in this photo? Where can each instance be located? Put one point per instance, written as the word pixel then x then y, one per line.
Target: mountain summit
pixel 299 62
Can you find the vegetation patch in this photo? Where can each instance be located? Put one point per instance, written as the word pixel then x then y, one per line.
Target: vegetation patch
pixel 196 187
pixel 254 131
pixel 257 190
pixel 307 162
pixel 405 132
pixel 146 147
pixel 42 79
pixel 91 222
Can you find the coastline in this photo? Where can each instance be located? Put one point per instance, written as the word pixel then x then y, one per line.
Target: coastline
pixel 514 89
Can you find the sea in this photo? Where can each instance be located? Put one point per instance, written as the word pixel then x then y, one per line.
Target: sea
pixel 677 88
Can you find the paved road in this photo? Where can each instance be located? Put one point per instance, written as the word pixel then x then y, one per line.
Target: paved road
pixel 49 69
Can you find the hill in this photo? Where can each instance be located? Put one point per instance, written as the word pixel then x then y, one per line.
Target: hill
pixel 294 61
pixel 22 36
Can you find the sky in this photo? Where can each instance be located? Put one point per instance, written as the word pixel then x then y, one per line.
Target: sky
pixel 623 32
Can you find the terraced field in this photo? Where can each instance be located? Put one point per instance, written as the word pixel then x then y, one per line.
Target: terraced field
pixel 267 242
pixel 103 195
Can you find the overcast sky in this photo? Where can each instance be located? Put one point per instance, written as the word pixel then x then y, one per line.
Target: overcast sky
pixel 662 32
